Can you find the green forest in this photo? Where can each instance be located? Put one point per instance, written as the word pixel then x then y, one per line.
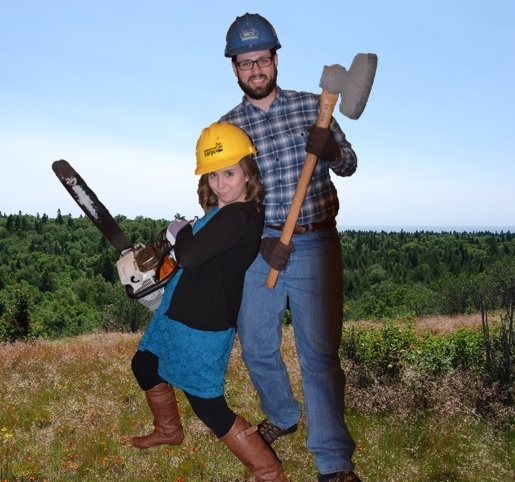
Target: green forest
pixel 58 275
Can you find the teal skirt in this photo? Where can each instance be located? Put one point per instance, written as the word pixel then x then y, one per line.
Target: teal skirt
pixel 195 361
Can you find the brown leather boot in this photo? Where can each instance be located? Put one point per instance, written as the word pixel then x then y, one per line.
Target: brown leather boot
pixel 244 441
pixel 167 421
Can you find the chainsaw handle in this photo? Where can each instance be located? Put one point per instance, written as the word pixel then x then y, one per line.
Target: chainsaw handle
pixel 137 295
pixel 327 102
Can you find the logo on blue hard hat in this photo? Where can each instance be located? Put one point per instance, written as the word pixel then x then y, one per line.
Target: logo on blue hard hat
pixel 251 34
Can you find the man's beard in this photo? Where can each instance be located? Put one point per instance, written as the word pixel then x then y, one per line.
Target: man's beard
pixel 259 92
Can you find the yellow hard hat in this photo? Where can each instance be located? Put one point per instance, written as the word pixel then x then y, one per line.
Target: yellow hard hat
pixel 220 145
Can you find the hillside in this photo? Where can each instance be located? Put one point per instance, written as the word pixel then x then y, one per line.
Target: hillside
pixel 69 408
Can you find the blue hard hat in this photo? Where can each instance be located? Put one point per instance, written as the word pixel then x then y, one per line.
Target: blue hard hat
pixel 249 33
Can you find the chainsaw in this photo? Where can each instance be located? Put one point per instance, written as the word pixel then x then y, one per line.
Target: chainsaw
pixel 144 269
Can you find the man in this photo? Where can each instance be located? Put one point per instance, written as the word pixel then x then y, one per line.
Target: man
pixel 281 126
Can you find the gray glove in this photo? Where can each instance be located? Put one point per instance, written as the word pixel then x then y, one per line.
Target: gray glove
pixel 275 253
pixel 174 227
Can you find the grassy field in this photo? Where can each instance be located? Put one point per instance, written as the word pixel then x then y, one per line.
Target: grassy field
pixel 69 408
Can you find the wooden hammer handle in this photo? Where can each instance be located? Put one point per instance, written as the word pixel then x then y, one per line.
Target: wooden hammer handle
pixel 327 102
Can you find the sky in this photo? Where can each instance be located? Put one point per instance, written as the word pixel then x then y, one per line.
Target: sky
pixel 122 89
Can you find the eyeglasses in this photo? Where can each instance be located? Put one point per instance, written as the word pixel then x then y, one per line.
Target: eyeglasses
pixel 249 64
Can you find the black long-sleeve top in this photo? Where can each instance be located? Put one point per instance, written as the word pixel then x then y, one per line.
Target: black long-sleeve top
pixel 215 259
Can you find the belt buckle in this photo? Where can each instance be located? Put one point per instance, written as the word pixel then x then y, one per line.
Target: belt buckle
pixel 301 229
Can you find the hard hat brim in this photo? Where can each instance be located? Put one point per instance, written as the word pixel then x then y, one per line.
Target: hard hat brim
pixel 221 164
pixel 251 48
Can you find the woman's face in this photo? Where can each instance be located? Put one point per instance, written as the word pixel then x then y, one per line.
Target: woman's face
pixel 228 184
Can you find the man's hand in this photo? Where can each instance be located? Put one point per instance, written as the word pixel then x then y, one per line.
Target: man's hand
pixel 275 253
pixel 321 143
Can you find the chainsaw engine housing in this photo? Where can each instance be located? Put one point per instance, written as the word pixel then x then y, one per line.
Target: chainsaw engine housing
pixel 137 269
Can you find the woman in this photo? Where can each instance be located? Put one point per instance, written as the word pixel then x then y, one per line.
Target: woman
pixel 189 339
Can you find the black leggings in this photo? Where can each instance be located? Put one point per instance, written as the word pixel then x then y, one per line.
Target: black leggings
pixel 214 412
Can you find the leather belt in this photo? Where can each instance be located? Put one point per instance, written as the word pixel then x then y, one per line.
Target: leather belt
pixel 304 228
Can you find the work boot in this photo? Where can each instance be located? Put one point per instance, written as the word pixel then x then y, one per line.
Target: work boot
pixel 345 476
pixel 167 421
pixel 271 432
pixel 244 441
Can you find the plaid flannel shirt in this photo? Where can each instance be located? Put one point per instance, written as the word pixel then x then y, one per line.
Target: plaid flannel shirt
pixel 280 138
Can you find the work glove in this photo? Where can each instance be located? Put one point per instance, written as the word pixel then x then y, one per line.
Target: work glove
pixel 275 253
pixel 321 143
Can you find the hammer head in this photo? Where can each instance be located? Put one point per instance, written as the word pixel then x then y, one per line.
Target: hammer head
pixel 354 85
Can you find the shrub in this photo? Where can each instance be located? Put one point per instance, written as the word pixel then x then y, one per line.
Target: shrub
pixel 468 350
pixel 389 348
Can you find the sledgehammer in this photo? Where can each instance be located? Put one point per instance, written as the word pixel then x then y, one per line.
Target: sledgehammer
pixel 354 85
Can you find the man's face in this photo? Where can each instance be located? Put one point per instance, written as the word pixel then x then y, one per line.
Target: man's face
pixel 257 82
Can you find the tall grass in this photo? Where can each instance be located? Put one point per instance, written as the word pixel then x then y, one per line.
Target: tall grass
pixel 69 408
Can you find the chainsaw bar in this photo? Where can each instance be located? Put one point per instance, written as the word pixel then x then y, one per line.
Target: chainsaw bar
pixel 91 205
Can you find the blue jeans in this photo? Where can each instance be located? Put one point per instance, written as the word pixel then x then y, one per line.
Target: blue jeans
pixel 312 284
